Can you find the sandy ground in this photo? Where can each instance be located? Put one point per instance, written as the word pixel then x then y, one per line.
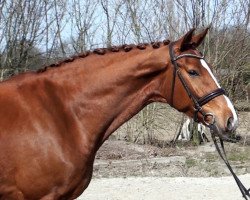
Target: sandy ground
pixel 163 188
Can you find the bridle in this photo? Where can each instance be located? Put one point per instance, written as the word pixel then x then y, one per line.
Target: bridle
pixel 198 102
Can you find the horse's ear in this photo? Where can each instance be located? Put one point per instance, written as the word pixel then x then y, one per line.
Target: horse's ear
pixel 198 39
pixel 184 42
pixel 191 41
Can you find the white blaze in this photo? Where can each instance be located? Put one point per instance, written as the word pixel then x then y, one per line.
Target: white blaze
pixel 229 103
pixel 204 64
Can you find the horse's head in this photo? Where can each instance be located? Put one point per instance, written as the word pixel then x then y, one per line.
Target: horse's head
pixel 194 89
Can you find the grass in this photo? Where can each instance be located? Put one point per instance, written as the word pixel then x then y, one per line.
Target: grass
pixel 211 157
pixel 240 156
pixel 190 162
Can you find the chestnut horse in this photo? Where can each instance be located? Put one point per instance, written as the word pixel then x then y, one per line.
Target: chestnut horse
pixel 54 121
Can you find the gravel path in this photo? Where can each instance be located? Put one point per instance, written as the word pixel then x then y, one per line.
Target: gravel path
pixel 178 188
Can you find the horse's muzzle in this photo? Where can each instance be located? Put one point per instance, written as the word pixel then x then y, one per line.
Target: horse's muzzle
pixel 227 136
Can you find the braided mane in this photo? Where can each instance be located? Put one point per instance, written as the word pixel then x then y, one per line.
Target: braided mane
pixel 103 51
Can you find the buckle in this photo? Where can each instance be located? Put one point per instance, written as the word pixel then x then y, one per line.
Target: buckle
pixel 209 115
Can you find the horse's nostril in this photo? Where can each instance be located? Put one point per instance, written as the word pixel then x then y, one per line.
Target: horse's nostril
pixel 230 124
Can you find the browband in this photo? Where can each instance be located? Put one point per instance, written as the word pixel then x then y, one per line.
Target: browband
pixel 188 55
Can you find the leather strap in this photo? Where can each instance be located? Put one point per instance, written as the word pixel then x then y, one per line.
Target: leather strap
pixel 205 99
pixel 245 192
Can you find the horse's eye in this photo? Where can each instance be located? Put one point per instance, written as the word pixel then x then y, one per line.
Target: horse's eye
pixel 193 73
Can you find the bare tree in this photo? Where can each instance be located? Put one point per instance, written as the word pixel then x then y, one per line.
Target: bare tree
pixel 22 29
pixel 83 17
pixel 111 10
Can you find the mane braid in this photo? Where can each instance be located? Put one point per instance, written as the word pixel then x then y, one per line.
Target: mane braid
pixel 100 51
pixel 103 51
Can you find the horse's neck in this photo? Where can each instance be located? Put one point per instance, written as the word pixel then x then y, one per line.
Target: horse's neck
pixel 107 90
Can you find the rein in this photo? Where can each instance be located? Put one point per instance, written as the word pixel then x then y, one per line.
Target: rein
pixel 245 192
pixel 198 103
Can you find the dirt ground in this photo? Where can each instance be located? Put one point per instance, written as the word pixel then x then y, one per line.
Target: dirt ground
pixel 124 159
pixel 124 170
pixel 163 188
